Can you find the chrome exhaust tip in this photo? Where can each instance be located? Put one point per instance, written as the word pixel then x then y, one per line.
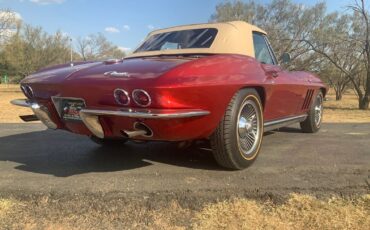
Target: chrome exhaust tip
pixel 132 134
pixel 140 129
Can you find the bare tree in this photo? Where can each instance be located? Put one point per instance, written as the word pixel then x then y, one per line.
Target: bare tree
pixel 82 47
pixel 349 51
pixel 33 49
pixel 9 23
pixel 364 96
pixel 331 38
pixel 336 79
pixel 286 22
pixel 97 47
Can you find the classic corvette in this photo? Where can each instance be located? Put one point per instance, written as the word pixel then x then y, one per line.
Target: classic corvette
pixel 219 82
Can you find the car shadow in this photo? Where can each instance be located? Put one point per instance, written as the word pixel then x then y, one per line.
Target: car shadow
pixel 64 154
pixel 288 130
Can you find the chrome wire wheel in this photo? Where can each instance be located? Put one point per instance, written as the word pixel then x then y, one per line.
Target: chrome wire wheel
pixel 318 110
pixel 248 128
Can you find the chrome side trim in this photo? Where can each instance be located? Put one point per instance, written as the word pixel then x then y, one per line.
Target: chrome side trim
pixel 271 125
pixel 147 113
pixel 21 102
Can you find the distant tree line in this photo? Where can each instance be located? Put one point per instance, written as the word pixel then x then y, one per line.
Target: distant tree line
pixel 334 45
pixel 25 48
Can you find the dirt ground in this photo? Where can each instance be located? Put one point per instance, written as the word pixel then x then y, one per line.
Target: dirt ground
pixel 10 113
pixel 345 110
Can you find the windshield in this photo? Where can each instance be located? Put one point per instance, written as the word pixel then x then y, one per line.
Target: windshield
pixel 184 39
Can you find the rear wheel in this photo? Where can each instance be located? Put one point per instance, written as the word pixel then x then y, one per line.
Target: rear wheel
pixel 236 141
pixel 312 123
pixel 108 141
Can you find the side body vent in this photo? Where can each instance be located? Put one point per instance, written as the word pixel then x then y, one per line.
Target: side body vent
pixel 308 98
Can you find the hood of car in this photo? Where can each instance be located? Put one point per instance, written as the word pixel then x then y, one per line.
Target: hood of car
pixel 135 68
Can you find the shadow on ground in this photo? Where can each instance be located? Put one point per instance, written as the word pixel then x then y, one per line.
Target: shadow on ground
pixel 63 154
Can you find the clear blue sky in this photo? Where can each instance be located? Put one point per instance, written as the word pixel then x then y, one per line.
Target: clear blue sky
pixel 124 22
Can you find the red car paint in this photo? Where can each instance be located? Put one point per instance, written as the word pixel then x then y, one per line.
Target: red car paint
pixel 207 83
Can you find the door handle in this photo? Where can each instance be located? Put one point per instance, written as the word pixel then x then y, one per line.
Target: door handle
pixel 273 73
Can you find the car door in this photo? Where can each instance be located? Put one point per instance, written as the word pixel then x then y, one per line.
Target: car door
pixel 282 88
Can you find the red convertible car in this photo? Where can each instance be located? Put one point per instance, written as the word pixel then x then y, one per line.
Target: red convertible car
pixel 219 82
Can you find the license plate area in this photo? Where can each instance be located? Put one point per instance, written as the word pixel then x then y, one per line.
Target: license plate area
pixel 70 109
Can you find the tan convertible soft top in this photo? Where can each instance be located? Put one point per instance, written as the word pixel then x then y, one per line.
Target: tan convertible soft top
pixel 232 38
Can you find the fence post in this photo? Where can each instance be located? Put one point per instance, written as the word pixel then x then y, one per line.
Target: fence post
pixel 6 80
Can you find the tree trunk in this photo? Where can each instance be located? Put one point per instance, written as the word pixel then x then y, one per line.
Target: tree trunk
pixel 338 95
pixel 363 102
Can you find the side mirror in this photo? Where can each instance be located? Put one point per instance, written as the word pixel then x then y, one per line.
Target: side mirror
pixel 285 58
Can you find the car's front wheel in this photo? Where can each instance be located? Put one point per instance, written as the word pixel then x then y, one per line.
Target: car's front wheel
pixel 237 140
pixel 313 121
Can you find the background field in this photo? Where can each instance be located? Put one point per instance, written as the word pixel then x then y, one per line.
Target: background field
pixel 345 111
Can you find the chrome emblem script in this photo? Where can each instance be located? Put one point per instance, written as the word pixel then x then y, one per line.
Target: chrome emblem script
pixel 117 74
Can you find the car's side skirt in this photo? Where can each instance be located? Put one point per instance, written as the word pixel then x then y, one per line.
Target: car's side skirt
pixel 275 124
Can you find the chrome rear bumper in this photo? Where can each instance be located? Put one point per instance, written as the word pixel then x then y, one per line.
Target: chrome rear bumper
pixel 148 113
pixel 90 117
pixel 21 102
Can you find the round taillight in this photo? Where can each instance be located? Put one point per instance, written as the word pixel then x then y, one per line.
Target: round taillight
pixel 27 90
pixel 141 97
pixel 121 97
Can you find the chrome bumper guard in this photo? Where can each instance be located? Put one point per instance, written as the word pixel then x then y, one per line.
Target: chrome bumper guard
pixel 90 117
pixel 21 102
pixel 40 111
